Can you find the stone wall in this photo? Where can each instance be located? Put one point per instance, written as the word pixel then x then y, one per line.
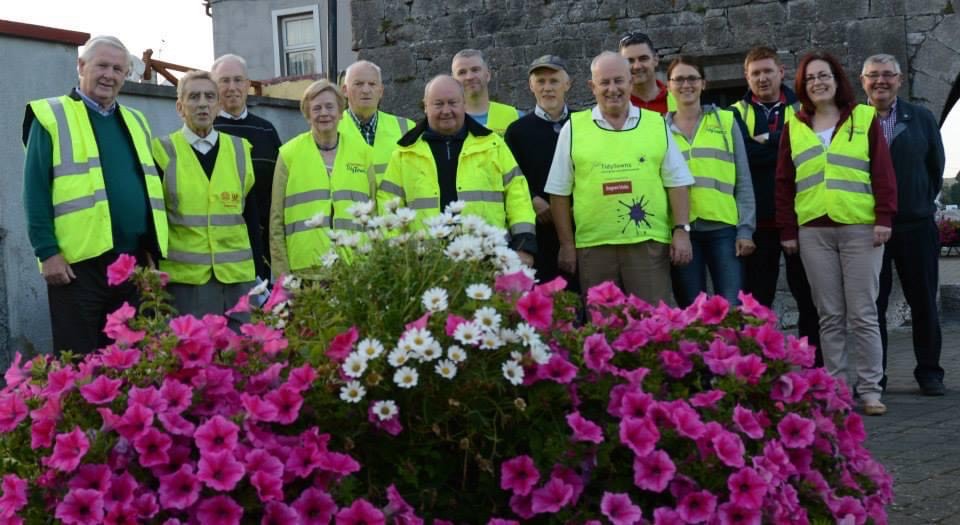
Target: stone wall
pixel 415 39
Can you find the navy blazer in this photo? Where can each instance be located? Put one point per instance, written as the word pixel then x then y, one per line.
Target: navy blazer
pixel 918 160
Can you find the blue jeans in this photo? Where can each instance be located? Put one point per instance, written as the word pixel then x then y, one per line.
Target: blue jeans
pixel 717 251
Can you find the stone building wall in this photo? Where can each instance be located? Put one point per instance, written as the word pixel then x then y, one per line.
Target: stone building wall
pixel 415 39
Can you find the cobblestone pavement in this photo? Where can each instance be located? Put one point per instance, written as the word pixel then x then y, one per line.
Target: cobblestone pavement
pixel 918 440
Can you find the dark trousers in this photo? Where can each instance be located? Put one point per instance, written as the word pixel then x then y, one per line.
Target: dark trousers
pixel 761 271
pixel 78 311
pixel 915 250
pixel 545 260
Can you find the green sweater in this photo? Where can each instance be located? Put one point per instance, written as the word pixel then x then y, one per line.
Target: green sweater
pixel 126 189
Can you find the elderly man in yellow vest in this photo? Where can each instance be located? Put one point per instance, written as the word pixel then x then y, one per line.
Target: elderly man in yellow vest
pixel 363 87
pixel 207 178
pixel 450 157
pixel 629 185
pixel 470 69
pixel 91 192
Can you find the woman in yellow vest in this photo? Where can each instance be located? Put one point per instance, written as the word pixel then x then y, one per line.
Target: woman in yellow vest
pixel 722 208
pixel 320 174
pixel 836 197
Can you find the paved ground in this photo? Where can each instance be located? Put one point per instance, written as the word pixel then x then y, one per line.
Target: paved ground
pixel 918 440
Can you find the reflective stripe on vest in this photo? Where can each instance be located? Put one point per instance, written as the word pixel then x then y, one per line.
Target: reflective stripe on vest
pixel 712 162
pixel 834 181
pixel 315 201
pixel 82 223
pixel 618 194
pixel 208 233
pixel 749 115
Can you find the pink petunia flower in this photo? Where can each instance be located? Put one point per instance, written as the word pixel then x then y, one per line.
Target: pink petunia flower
pixel 120 515
pixel 750 368
pixel 303 460
pixel 605 294
pixel 120 358
pixel 69 450
pixel 342 344
pixel 519 475
pixel 121 491
pixel 337 463
pixel 729 448
pixel 81 507
pixel 287 402
pixel 584 429
pixel 146 505
pixel 176 424
pixel 675 364
pixel 135 420
pixel 120 270
pixel 698 506
pixel 269 488
pixel 219 510
pixel 640 434
pixel 179 490
pixel 216 434
pixel 257 408
pixel 177 395
pixel 277 513
pixel 116 327
pixel 391 426
pixel 277 295
pixel 796 431
pixel 800 352
pixel 194 353
pixel 536 309
pixel 597 352
pixel 17 374
pixel 733 514
pixel 361 512
pixel 686 420
pixel 552 497
pixel 42 431
pixel 14 495
pixel 713 310
pixel 60 381
pixel 557 369
pixel 746 422
pixel 13 410
pixel 522 505
pixel 747 488
pixel 653 472
pixel 241 307
pixel 93 477
pixel 302 377
pixel 513 283
pixel 220 470
pixel 399 509
pixel 270 340
pixel 618 508
pixel 667 516
pixel 501 521
pixel 789 388
pixel 315 507
pixel 153 446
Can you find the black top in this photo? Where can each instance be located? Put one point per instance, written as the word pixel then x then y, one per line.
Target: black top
pixel 533 141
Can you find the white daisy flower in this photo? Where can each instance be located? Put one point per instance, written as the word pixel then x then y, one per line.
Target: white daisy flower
pixel 260 288
pixel 479 292
pixel 456 250
pixel 392 204
pixel 540 353
pixel 355 365
pixel 375 222
pixel 526 333
pixel 314 221
pixel 432 352
pixel 391 221
pixel 352 392
pixel 365 247
pixel 446 368
pixel 513 372
pixel 329 259
pixel 490 341
pixel 472 223
pixel 456 354
pixel 488 318
pixel 406 216
pixel 406 377
pixel 467 333
pixel 361 209
pixel 370 348
pixel 399 240
pixel 441 231
pixel 435 221
pixel 435 300
pixel 385 410
pixel 291 282
pixel 398 357
pixel 455 207
pixel 509 336
pixel 351 240
pixel 335 235
pixel 516 356
pixel 418 339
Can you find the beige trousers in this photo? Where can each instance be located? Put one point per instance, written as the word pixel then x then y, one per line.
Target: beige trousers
pixel 641 269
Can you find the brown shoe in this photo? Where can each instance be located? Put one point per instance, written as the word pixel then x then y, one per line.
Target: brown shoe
pixel 874 408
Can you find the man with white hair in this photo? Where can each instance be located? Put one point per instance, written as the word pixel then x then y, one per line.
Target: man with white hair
pixel 230 73
pixel 471 71
pixel 630 191
pixel 363 86
pixel 91 193
pixel 917 152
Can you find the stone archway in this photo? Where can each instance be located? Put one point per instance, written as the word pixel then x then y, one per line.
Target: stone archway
pixel 935 60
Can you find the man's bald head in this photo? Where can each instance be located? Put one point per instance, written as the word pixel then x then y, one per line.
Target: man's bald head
pixel 443 102
pixel 610 83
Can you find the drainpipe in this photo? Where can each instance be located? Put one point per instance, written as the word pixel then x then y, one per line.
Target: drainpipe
pixel 333 68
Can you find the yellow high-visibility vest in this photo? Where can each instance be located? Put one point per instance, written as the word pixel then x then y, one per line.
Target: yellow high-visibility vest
pixel 749 114
pixel 389 130
pixel 834 181
pixel 208 234
pixel 711 161
pixel 81 213
pixel 500 116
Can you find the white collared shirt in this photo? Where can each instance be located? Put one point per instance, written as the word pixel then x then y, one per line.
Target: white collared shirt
pixel 201 144
pixel 227 115
pixel 673 169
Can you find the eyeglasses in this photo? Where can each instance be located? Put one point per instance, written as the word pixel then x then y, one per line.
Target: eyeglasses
pixel 692 80
pixel 822 77
pixel 886 75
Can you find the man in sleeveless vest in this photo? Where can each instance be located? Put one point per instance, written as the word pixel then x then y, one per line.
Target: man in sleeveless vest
pixel 449 157
pixel 363 86
pixel 764 108
pixel 470 69
pixel 646 91
pixel 914 247
pixel 208 180
pixel 630 190
pixel 230 74
pixel 91 192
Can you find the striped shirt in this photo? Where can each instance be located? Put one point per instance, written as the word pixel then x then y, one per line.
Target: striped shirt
pixel 889 122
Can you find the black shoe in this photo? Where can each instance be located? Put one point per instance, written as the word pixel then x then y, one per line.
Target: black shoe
pixel 933 387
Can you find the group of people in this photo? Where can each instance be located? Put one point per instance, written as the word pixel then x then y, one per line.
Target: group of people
pixel 650 188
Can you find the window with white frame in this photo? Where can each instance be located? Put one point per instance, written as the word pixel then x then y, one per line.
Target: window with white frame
pixel 297 49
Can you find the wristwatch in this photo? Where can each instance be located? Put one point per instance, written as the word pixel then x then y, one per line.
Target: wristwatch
pixel 684 227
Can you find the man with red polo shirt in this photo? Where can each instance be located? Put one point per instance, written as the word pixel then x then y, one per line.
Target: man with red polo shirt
pixel 647 92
